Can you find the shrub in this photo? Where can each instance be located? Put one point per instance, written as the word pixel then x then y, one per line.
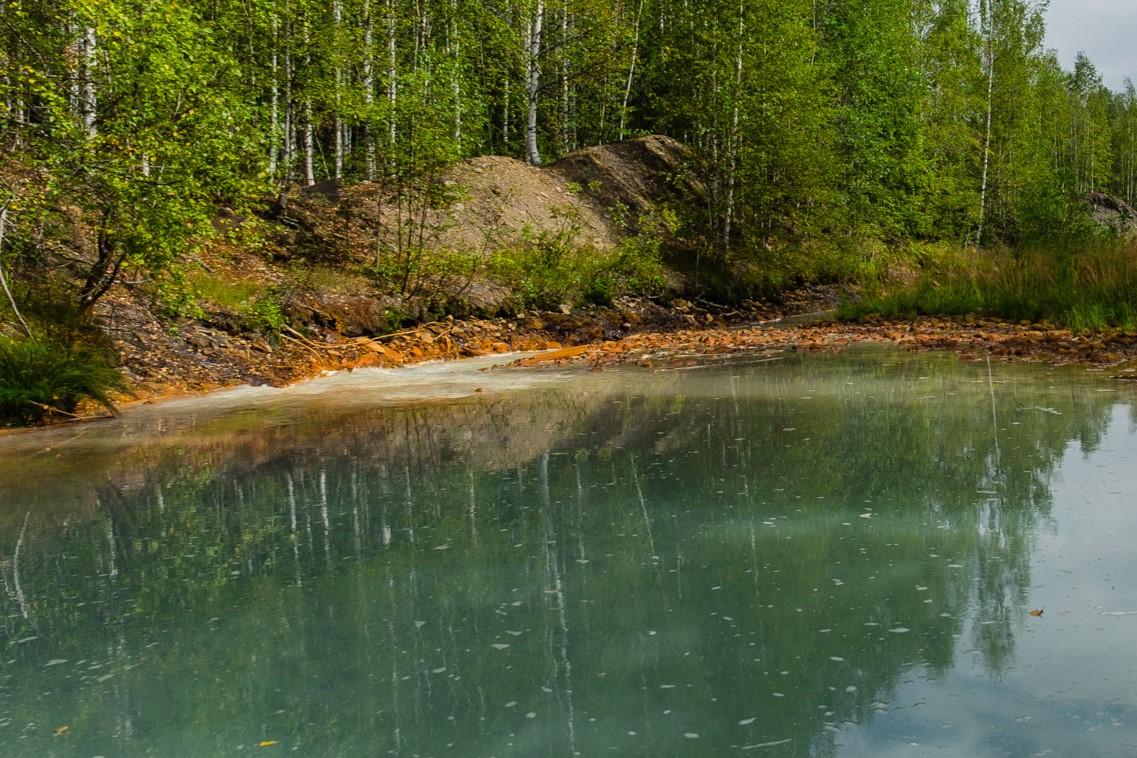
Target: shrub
pixel 553 268
pixel 41 378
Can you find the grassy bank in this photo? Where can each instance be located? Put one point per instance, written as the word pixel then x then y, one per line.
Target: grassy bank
pixel 1086 288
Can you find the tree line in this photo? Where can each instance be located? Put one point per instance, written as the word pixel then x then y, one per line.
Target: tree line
pixel 124 124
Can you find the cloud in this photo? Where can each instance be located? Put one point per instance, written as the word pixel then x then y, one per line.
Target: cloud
pixel 1103 29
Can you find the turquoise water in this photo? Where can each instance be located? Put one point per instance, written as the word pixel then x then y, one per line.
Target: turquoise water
pixel 787 555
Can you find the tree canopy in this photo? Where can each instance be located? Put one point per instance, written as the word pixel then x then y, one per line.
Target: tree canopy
pixel 897 119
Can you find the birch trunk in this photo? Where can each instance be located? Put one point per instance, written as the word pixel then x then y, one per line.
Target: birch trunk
pixel 505 113
pixel 337 22
pixel 566 144
pixel 289 120
pixel 986 144
pixel 89 94
pixel 453 51
pixel 732 139
pixel 631 70
pixel 392 71
pixel 309 144
pixel 274 103
pixel 369 87
pixel 309 128
pixel 533 85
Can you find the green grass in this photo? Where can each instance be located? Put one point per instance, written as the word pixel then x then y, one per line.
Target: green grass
pixel 256 305
pixel 553 270
pixel 1085 290
pixel 40 378
pixel 227 293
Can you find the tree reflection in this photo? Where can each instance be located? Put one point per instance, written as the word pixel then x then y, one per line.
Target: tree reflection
pixel 750 555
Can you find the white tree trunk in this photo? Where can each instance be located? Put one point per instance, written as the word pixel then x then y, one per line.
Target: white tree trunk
pixel 289 115
pixel 732 139
pixel 369 86
pixel 631 70
pixel 565 87
pixel 337 21
pixel 89 94
pixel 505 113
pixel 392 70
pixel 309 144
pixel 453 50
pixel 533 85
pixel 986 143
pixel 274 107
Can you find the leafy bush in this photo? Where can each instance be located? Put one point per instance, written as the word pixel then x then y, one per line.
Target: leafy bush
pixel 41 378
pixel 553 268
pixel 264 314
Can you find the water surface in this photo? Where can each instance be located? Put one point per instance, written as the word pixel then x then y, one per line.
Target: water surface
pixel 831 555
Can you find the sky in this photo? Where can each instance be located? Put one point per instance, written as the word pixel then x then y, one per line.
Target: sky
pixel 1105 29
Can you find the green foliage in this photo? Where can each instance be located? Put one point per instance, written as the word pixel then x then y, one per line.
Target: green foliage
pixel 265 314
pixel 41 378
pixel 255 306
pixel 553 269
pixel 131 122
pixel 1083 289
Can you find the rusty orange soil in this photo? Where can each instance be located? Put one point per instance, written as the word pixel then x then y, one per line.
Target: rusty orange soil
pixel 972 339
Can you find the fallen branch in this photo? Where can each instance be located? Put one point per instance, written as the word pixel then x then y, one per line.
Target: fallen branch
pixel 408 332
pixel 301 339
pixel 303 344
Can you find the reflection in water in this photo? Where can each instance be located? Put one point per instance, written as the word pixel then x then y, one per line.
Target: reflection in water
pixel 744 557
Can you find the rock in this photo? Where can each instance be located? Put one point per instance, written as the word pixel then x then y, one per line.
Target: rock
pixel 1113 214
pixel 350 315
pixel 389 356
pixel 371 360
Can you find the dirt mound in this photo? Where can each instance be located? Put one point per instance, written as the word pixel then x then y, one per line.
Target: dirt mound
pixel 591 197
pixel 504 202
pixel 596 193
pixel 636 174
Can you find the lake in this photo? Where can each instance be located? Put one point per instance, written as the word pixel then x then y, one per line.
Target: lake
pixel 781 555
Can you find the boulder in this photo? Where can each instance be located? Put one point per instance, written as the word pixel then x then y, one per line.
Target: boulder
pixel 1114 214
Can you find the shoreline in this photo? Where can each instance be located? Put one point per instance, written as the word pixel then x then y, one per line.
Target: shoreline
pixel 298 359
pixel 970 338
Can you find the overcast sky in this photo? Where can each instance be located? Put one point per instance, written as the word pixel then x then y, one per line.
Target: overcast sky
pixel 1105 29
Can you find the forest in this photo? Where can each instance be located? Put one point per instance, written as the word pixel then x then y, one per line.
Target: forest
pixel 833 139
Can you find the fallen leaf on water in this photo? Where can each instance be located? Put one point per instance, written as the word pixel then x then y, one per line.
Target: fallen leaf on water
pixel 59 731
pixel 1037 612
pixel 267 743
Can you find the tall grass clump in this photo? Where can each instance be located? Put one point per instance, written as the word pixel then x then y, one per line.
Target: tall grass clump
pixel 40 378
pixel 1084 289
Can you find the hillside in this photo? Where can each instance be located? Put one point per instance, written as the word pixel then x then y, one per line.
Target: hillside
pixel 309 271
